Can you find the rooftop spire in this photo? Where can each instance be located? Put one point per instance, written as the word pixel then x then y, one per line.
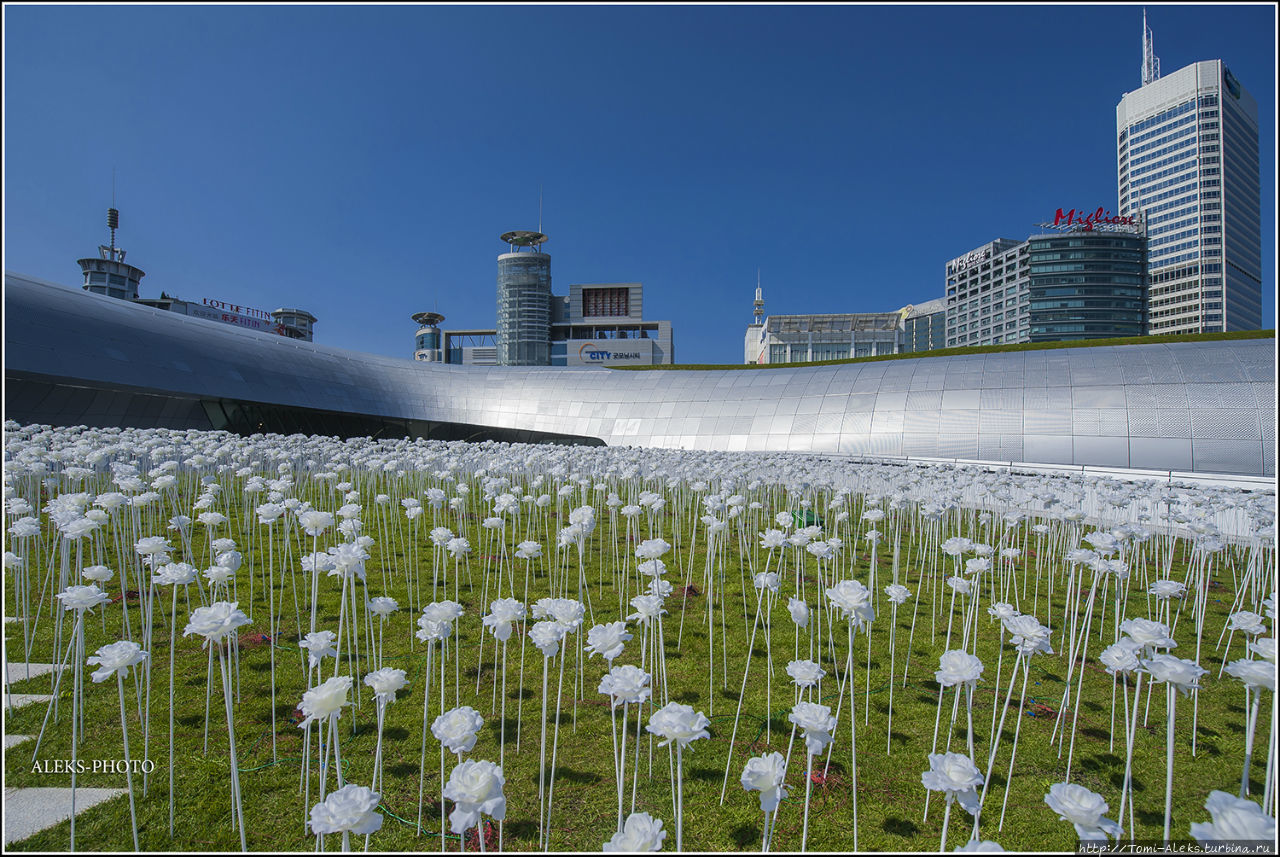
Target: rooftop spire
pixel 1150 62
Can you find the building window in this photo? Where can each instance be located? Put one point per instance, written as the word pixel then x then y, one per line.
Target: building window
pixel 606 302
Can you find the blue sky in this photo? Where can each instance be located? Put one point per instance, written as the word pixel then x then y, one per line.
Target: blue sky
pixel 361 162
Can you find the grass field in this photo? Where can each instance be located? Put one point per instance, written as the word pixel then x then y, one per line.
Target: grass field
pixel 891 799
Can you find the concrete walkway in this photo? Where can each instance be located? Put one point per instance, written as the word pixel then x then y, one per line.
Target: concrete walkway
pixel 29 811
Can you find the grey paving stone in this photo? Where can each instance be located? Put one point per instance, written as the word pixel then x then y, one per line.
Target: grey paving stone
pixel 29 811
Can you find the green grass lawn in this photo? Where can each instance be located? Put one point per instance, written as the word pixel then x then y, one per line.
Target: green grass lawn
pixel 891 800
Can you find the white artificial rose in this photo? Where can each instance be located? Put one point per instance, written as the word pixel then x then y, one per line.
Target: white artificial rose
pixel 383 606
pixel 799 612
pixel 1002 610
pixel 607 640
pixel 640 832
pixel 174 574
pixel 958 667
pixel 976 845
pixel 1167 589
pixel 314 522
pixel 152 545
pixel 1247 622
pixel 386 683
pixel 350 809
pixel 546 635
pixel 1120 657
pixel 854 601
pixel 82 597
pixel 647 607
pixel 502 613
pixel 625 684
pixel 1027 634
pixel 767 580
pixel 116 658
pixel 816 722
pixel 1179 672
pixel 1264 648
pixel 805 673
pixel 458 729
pixel 1147 633
pixel 98 573
pixel 679 723
pixel 1235 819
pixel 954 774
pixel 652 549
pixel 215 621
pixel 1253 674
pixel 897 593
pixel 1084 809
pixel 319 645
pixel 326 700
pixel 476 789
pixel 765 774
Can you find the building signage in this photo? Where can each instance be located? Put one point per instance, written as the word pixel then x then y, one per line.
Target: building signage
pixel 1101 219
pixel 969 259
pixel 609 352
pixel 214 311
pixel 591 354
pixel 237 309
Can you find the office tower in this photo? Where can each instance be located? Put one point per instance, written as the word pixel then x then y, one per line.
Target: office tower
pixel 524 301
pixel 1187 156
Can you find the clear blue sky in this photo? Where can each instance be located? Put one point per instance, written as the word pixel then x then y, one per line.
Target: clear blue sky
pixel 361 162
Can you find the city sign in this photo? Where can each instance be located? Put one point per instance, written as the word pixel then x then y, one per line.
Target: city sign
pixel 592 354
pixel 1101 220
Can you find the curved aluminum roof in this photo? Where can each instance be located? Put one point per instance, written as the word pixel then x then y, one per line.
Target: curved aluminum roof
pixel 1195 406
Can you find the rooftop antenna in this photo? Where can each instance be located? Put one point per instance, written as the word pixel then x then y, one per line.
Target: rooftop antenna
pixel 1150 62
pixel 539 206
pixel 113 216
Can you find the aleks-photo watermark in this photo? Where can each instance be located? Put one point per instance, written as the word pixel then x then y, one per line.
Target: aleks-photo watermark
pixel 93 766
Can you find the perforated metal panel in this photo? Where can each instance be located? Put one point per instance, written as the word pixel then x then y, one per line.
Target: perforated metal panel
pixel 1059 406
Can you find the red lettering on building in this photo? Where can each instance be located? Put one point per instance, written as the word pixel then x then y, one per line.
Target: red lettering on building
pixel 1088 221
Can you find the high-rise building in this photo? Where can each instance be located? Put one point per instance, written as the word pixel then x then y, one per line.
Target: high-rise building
pixel 1187 156
pixel 524 301
pixel 1084 280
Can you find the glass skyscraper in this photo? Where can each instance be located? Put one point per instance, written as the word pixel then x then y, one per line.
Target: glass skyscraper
pixel 1187 157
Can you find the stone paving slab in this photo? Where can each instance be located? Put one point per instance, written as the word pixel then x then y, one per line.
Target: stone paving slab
pixel 29 811
pixel 15 740
pixel 17 700
pixel 19 671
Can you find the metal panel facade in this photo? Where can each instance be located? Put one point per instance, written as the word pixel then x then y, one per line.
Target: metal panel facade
pixel 1204 406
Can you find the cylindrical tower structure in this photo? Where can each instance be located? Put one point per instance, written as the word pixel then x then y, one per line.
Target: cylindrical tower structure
pixel 108 274
pixel 294 323
pixel 427 346
pixel 524 301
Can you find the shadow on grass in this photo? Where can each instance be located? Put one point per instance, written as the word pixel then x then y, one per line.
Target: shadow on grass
pixel 900 827
pixel 746 835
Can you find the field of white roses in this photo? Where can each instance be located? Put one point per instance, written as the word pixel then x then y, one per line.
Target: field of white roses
pixel 292 643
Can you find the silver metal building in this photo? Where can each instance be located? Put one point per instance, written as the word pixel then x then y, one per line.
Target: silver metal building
pixel 75 358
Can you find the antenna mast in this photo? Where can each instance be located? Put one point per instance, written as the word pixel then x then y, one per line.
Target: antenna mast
pixel 1150 62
